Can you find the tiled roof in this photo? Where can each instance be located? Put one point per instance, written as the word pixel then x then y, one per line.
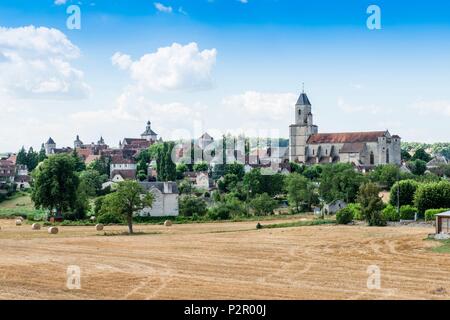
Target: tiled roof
pixel 121 160
pixel 348 137
pixel 125 174
pixel 355 147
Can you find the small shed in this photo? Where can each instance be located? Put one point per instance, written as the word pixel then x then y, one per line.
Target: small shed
pixel 443 223
pixel 333 207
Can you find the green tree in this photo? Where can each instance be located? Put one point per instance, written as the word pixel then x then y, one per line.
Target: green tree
pixel 417 167
pixel 181 170
pixel 129 198
pixel 313 172
pixel 371 204
pixel 78 161
pixel 405 190
pixel 421 154
pixel 228 182
pixel 191 205
pixel 91 181
pixel 263 204
pixel 201 167
pixel 434 195
pixel 295 167
pixel 236 169
pixel 32 159
pixel 385 175
pixel 300 191
pixel 55 184
pixel 22 157
pixel 344 216
pixel 405 155
pixel 101 165
pixel 340 181
pixel 170 167
pixel 42 155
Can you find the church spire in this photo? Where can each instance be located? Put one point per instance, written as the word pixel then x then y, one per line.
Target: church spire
pixel 303 100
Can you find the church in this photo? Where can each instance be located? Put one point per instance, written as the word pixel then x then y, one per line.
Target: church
pixel 363 149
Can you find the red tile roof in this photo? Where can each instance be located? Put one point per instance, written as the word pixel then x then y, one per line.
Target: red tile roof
pixel 349 137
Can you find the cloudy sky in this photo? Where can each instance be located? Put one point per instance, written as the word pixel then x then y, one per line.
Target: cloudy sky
pixel 220 66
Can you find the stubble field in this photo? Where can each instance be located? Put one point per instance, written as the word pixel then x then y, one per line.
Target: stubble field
pixel 222 261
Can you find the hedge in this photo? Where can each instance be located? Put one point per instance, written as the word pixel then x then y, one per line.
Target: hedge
pixel 432 196
pixel 430 213
pixel 408 212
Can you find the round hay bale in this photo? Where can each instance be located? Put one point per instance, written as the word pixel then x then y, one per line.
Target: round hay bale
pixel 20 218
pixel 53 230
pixel 92 218
pixel 99 227
pixel 36 226
pixel 18 222
pixel 167 223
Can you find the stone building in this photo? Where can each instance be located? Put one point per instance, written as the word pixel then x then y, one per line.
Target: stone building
pixel 363 149
pixel 165 202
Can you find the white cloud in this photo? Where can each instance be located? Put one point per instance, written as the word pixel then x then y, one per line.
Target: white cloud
pixel 243 1
pixel 171 68
pixel 123 61
pixel 437 107
pixel 60 2
pixel 162 8
pixel 35 62
pixel 263 106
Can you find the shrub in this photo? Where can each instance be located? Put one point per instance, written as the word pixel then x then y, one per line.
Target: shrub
pixel 110 218
pixel 344 216
pixel 263 204
pixel 432 196
pixel 406 190
pixel 355 208
pixel 390 213
pixel 430 213
pixel 222 212
pixel 408 212
pixel 371 204
pixel 190 205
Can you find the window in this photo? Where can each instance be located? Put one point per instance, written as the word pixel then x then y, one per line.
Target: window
pixel 372 158
pixel 387 156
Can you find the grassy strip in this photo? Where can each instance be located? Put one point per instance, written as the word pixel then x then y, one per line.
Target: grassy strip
pixel 444 248
pixel 298 224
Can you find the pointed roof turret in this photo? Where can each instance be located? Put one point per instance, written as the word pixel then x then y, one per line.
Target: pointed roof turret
pixel 50 141
pixel 303 100
pixel 148 131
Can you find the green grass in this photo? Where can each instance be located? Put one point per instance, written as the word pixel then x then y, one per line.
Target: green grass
pixel 444 248
pixel 298 224
pixel 18 200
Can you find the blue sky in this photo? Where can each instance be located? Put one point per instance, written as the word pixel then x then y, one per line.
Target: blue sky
pixel 243 74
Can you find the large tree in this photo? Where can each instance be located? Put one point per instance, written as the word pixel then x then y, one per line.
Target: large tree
pixel 340 181
pixel 300 191
pixel 55 184
pixel 371 204
pixel 129 198
pixel 421 154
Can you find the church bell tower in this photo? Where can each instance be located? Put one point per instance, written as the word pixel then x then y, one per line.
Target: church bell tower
pixel 301 130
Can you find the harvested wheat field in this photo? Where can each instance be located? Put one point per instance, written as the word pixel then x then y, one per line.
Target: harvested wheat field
pixel 221 261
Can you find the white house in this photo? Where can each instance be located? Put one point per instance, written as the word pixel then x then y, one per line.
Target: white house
pixel 165 203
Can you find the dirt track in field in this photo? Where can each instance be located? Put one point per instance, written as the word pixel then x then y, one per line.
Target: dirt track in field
pixel 222 261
